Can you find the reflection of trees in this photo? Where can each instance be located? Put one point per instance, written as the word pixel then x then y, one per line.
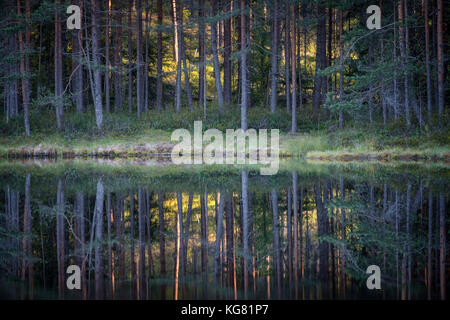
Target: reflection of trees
pixel 302 239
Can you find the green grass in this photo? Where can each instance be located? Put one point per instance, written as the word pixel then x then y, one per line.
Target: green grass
pixel 125 135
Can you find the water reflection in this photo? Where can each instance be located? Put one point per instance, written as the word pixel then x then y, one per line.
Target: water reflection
pixel 291 236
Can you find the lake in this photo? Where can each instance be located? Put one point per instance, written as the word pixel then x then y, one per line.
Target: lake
pixel 146 229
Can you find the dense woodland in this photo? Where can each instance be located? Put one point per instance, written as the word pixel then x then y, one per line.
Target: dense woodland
pixel 296 62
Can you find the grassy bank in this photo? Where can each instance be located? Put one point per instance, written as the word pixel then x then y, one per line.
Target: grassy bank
pixel 125 136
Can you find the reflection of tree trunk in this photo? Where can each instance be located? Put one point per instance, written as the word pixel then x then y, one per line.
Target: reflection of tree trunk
pixel 117 57
pixel 289 241
pixel 130 56
pixel 396 240
pixel 430 226
pixel 27 239
pixel 149 244
pixel 217 265
pixel 141 233
pixel 442 253
pixel 300 253
pixel 98 214
pixel 230 238
pixel 276 241
pixel 295 213
pixel 331 245
pixel 162 241
pixel 120 252
pixel 186 232
pixel 204 239
pixel 322 224
pixel 60 238
pixel 252 241
pixel 179 243
pixel 342 250
pixel 133 262
pixel 408 212
pixel 79 243
pixel 244 213
pixel 159 87
pixel 110 286
pixel 218 83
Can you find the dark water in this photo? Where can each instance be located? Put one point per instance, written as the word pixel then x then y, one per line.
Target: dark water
pixel 153 231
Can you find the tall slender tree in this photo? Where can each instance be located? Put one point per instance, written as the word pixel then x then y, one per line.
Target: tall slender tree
pixel 274 58
pixel 159 85
pixel 244 84
pixel 216 59
pixel 58 68
pixel 440 58
pixel 98 104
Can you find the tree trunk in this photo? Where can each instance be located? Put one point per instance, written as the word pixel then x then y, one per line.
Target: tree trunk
pixel 183 54
pixel 130 56
pixel 98 105
pixel 274 58
pixel 244 84
pixel 440 58
pixel 139 73
pixel 78 66
pixel 227 67
pixel 60 238
pixel 58 70
pixel 178 57
pixel 427 59
pixel 293 70
pixel 216 60
pixel 118 76
pixel 107 62
pixel 287 53
pixel 341 67
pixel 159 87
pixel 319 81
pixel 201 48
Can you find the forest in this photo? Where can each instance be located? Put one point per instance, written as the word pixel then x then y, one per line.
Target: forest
pixel 136 70
pixel 91 92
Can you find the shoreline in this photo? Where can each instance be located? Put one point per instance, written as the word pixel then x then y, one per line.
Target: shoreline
pixel 165 152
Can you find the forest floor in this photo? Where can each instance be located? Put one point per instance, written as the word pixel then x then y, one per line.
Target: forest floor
pixel 346 145
pixel 125 136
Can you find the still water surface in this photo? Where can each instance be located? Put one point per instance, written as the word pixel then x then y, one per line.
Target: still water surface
pixel 154 231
